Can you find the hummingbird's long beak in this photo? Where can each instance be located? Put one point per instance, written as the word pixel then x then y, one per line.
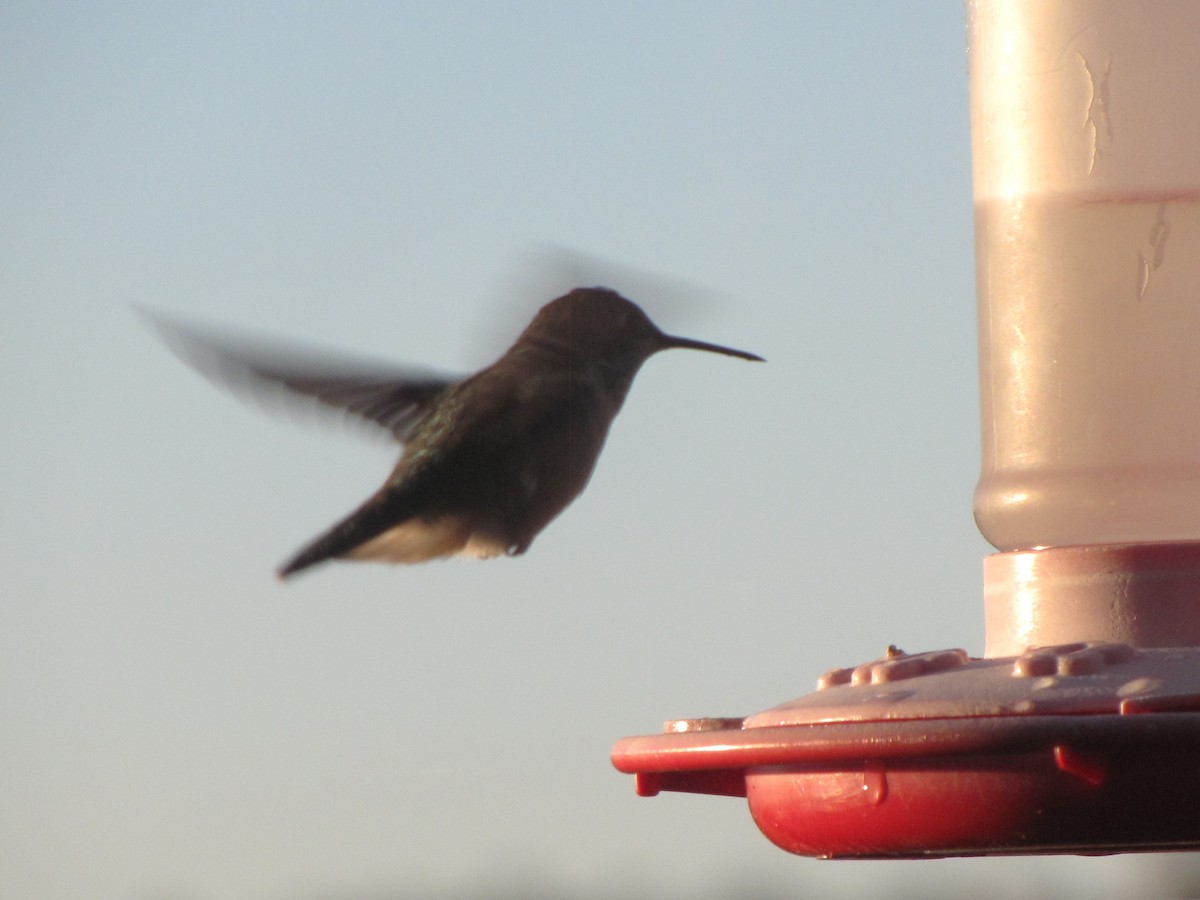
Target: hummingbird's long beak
pixel 671 342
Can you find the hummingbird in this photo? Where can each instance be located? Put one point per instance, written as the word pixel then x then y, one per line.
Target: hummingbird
pixel 488 461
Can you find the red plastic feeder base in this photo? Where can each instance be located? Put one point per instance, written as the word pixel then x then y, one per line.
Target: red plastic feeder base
pixel 1018 779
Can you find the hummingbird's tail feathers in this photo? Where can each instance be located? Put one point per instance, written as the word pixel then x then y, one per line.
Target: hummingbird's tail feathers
pixel 381 530
pixel 379 513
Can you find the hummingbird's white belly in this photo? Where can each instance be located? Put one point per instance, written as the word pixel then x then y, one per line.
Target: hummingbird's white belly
pixel 417 541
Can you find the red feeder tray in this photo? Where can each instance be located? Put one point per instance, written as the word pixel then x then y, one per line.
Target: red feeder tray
pixel 1076 748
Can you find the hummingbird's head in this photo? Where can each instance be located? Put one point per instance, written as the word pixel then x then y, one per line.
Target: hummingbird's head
pixel 600 324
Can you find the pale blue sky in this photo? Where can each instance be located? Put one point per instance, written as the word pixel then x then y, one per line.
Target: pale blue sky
pixel 385 178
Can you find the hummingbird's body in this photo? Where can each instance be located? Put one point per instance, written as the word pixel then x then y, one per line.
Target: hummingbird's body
pixel 489 465
pixel 488 461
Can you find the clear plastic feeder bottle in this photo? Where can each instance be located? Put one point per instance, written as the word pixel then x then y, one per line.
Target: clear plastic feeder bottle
pixel 1086 121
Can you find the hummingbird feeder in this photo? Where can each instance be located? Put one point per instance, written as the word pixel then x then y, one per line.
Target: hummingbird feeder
pixel 1079 728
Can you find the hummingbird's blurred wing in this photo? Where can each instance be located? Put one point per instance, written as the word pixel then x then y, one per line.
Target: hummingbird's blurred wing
pixel 391 397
